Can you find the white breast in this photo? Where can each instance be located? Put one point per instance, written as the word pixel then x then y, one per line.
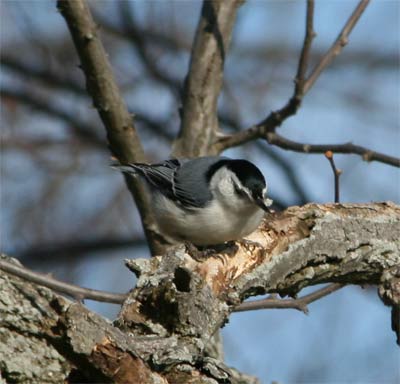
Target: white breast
pixel 226 218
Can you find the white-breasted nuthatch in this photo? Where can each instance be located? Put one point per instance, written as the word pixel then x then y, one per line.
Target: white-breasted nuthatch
pixel 205 200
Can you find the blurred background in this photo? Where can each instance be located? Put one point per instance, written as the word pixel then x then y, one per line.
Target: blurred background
pixel 65 211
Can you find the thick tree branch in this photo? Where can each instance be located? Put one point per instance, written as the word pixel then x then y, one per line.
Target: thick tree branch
pixel 203 83
pixel 121 132
pixel 179 302
pixel 343 243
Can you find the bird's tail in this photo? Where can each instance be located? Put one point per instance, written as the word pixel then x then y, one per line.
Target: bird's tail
pixel 127 168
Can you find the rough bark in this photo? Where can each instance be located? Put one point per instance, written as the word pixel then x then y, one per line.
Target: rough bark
pixel 118 121
pixel 179 302
pixel 203 83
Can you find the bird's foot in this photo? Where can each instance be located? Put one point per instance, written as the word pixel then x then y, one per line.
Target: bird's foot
pixel 250 245
pixel 200 253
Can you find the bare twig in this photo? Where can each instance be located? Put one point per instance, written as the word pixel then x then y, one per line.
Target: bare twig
pixel 305 51
pixel 284 143
pixel 336 173
pixel 340 42
pixel 365 153
pixel 72 290
pixel 203 83
pixel 300 304
pixel 121 132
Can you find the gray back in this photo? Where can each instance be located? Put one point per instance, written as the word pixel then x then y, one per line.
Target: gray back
pixel 192 179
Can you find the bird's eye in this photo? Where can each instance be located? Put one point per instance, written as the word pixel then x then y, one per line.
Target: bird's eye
pixel 239 191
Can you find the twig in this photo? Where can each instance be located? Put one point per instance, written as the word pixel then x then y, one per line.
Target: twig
pixel 72 290
pixel 340 42
pixel 284 143
pixel 121 132
pixel 300 304
pixel 305 51
pixel 336 173
pixel 365 153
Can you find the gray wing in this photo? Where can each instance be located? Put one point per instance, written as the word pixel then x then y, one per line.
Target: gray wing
pixel 192 179
pixel 183 180
pixel 159 176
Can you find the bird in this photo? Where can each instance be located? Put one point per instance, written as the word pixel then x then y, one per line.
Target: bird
pixel 205 200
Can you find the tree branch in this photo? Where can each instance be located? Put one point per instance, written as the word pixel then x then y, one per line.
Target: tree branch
pixel 336 175
pixel 275 119
pixel 78 293
pixel 300 304
pixel 179 302
pixel 203 83
pixel 303 246
pixel 340 42
pixel 305 54
pixel 366 154
pixel 121 132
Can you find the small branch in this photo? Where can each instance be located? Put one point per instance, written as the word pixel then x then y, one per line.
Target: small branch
pixel 336 174
pixel 340 42
pixel 72 290
pixel 305 51
pixel 365 153
pixel 299 304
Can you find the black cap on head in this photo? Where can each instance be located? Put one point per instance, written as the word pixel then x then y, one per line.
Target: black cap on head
pixel 249 175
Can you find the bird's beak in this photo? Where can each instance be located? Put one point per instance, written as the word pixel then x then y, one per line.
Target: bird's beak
pixel 264 204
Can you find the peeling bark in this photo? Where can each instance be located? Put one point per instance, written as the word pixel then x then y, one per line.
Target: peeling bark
pixel 179 302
